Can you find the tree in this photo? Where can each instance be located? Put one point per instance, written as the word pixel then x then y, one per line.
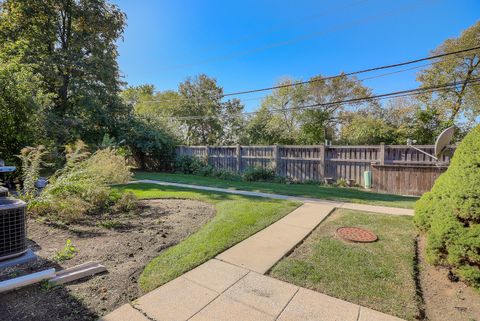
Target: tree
pixel 464 99
pixel 365 129
pixel 19 110
pixel 71 46
pixel 217 121
pixel 276 122
pixel 317 121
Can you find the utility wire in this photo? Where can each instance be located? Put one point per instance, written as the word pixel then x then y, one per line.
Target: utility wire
pixel 396 94
pixel 264 96
pixel 409 62
pixel 353 73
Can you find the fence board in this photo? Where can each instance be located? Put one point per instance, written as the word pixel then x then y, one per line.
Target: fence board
pixel 395 169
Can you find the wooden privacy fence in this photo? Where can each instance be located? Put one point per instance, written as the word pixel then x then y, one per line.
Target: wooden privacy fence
pixel 395 169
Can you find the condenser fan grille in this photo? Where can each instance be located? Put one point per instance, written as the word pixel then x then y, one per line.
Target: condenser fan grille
pixel 12 228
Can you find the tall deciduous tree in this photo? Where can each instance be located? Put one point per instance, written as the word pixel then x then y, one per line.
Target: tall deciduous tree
pixel 317 121
pixel 71 46
pixel 277 121
pixel 464 67
pixel 218 122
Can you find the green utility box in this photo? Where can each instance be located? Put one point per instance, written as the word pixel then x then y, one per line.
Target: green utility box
pixel 367 178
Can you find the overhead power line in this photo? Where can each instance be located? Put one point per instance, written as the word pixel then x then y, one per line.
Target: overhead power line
pixel 396 94
pixel 353 73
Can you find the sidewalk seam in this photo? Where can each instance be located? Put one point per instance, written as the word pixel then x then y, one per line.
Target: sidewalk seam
pixel 286 305
pixel 219 294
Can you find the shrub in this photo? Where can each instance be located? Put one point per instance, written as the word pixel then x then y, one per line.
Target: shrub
pixel 450 213
pixel 151 144
pixel 82 186
pixel 187 164
pixel 260 174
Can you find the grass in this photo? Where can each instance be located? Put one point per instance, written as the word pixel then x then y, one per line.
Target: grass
pixel 353 195
pixel 378 275
pixel 237 217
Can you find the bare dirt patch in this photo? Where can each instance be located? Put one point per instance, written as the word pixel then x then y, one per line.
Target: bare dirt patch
pixel 444 299
pixel 125 248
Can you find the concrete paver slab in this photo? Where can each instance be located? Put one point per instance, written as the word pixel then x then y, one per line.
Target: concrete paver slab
pixel 377 209
pixel 177 300
pixel 262 250
pixel 226 309
pixel 309 305
pixel 309 215
pixel 263 293
pixel 125 313
pixel 367 314
pixel 216 275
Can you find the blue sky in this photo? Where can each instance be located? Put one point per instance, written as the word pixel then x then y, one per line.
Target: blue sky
pixel 249 44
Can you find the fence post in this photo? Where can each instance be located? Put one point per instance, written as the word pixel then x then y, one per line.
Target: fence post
pixel 276 159
pixel 207 154
pixel 239 158
pixel 321 170
pixel 382 153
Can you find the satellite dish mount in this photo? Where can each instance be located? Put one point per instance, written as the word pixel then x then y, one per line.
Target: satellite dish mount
pixel 441 143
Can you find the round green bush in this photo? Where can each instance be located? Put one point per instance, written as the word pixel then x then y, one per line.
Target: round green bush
pixel 450 213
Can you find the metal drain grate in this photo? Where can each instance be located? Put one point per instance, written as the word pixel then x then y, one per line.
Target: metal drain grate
pixel 12 227
pixel 356 234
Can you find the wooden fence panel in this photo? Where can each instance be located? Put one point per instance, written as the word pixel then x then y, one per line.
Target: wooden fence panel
pixel 256 156
pixel 349 162
pixel 405 179
pixel 224 157
pixel 316 162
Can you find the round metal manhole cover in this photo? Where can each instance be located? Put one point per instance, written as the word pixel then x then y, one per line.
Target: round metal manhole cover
pixel 356 234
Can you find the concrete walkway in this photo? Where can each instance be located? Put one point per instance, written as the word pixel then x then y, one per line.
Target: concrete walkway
pixel 232 286
pixel 351 206
pixel 219 291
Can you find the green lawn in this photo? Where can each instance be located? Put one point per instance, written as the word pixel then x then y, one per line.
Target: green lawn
pixel 353 195
pixel 237 218
pixel 377 275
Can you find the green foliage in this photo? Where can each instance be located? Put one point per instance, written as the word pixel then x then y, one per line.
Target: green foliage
pixel 67 253
pixel 462 100
pixel 32 159
pixel 366 130
pixel 82 186
pixel 70 50
pixel 152 146
pixel 450 213
pixel 110 224
pixel 187 164
pixel 342 182
pixel 260 174
pixel 20 102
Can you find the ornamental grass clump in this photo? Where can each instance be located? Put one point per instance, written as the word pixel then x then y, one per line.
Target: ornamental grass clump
pixel 82 186
pixel 450 213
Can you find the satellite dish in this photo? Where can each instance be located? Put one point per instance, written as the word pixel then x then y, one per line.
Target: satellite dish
pixel 443 140
pixel 441 143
